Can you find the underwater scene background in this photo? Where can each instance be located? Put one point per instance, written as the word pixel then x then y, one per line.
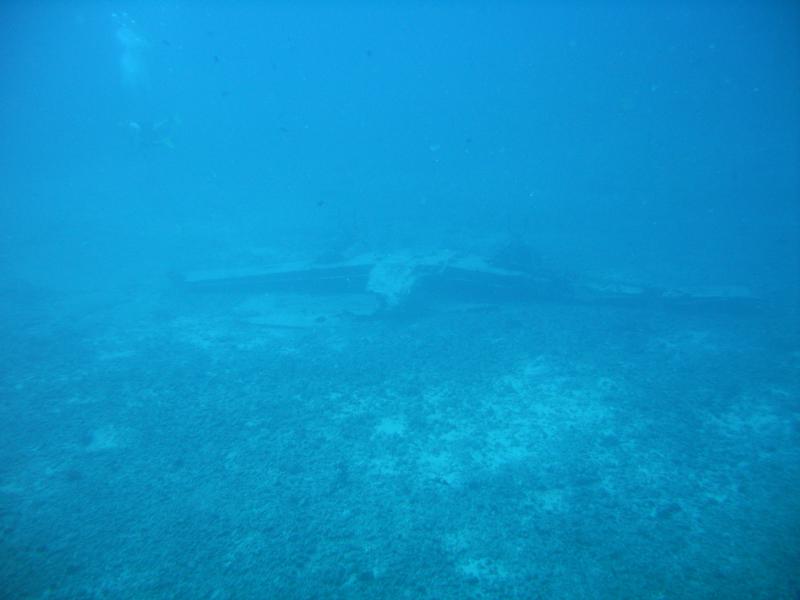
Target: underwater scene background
pixel 400 300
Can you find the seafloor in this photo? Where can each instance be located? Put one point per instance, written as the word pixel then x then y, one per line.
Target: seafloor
pixel 167 446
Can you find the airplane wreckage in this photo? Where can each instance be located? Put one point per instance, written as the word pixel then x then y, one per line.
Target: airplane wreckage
pixel 301 294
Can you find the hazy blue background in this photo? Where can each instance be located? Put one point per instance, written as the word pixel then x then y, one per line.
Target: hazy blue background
pixel 161 443
pixel 658 140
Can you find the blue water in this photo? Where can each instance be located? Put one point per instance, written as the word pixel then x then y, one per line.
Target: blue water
pixel 541 337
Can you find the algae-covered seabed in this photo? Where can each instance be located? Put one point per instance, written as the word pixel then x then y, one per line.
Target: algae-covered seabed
pixel 158 447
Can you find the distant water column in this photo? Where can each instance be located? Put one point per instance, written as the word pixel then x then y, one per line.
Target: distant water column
pixel 135 76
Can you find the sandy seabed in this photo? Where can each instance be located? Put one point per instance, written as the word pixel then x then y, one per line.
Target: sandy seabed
pixel 177 447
